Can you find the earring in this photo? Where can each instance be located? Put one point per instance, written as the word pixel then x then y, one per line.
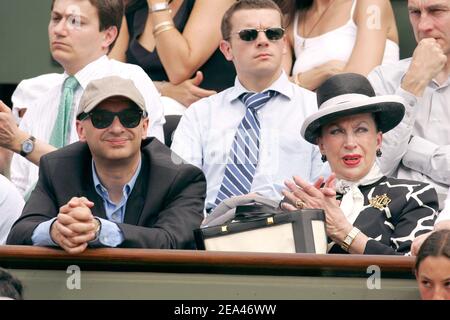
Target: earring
pixel 324 158
pixel 379 153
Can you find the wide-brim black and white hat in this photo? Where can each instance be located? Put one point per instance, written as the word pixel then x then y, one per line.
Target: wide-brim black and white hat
pixel 347 94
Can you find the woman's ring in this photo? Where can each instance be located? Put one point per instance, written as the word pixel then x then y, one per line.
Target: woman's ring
pixel 299 204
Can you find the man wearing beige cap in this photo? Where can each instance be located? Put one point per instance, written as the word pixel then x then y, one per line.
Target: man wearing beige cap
pixel 81 33
pixel 115 187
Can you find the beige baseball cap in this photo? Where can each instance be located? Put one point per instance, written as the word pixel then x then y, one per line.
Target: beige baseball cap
pixel 104 88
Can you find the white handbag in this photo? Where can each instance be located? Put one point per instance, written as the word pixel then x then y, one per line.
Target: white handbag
pixel 257 226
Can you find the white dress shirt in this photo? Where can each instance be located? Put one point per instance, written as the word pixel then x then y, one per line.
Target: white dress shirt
pixel 426 157
pixel 39 119
pixel 11 205
pixel 445 214
pixel 206 132
pixel 29 90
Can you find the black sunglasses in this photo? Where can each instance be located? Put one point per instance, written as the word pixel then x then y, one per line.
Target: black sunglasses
pixel 102 119
pixel 252 34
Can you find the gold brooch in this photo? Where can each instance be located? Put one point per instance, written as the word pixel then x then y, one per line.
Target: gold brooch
pixel 380 202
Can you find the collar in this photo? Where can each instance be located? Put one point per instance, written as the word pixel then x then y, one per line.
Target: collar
pixel 85 75
pixel 344 186
pixel 127 188
pixel 281 85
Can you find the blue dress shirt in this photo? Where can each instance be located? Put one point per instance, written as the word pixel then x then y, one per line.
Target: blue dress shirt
pixel 110 234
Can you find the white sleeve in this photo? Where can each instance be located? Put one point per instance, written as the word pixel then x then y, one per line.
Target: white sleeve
pixel 318 168
pixel 445 214
pixel 187 141
pixel 28 90
pixel 22 173
pixel 11 205
pixel 395 142
pixel 428 158
pixel 153 103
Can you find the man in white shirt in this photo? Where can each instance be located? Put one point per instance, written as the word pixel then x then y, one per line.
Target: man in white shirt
pixel 208 133
pixel 81 33
pixel 27 91
pixel 419 147
pixel 11 205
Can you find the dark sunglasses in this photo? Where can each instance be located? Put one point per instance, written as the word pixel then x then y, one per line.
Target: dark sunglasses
pixel 252 34
pixel 102 119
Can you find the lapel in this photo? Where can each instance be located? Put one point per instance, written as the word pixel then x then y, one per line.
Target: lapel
pixel 136 200
pixel 150 191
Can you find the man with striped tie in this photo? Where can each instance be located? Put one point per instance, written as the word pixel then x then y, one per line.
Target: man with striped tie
pixel 246 139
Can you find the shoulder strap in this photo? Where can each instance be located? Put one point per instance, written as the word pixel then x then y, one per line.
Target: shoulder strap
pixel 352 11
pixel 295 25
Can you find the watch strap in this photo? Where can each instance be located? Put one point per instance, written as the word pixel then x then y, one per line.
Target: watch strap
pixel 349 238
pixel 22 152
pixel 99 228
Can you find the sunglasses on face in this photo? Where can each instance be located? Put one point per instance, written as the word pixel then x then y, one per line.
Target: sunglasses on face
pixel 252 34
pixel 102 119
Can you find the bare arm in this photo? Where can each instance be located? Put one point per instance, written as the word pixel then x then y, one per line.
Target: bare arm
pixel 182 54
pixel 313 78
pixel 187 92
pixel 119 50
pixel 288 57
pixel 373 18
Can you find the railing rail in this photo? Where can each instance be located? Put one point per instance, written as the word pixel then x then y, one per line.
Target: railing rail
pixel 189 261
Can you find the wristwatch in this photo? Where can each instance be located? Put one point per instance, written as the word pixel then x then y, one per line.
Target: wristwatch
pixel 27 146
pixel 349 238
pixel 160 6
pixel 98 229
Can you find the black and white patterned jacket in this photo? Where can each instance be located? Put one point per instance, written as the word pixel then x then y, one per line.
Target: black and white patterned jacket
pixel 391 228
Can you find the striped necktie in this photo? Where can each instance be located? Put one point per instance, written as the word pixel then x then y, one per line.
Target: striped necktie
pixel 61 128
pixel 243 157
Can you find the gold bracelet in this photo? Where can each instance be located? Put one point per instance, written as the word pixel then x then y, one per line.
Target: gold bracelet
pixel 163 29
pixel 162 24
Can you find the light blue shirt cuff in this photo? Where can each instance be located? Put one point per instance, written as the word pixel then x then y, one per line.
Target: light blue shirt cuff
pixel 110 235
pixel 41 235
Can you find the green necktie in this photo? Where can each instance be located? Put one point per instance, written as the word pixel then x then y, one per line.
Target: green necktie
pixel 59 137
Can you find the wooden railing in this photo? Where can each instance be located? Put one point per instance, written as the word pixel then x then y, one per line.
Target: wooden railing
pixel 186 261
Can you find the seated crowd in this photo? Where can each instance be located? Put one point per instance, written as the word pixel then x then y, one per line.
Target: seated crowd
pixel 91 168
